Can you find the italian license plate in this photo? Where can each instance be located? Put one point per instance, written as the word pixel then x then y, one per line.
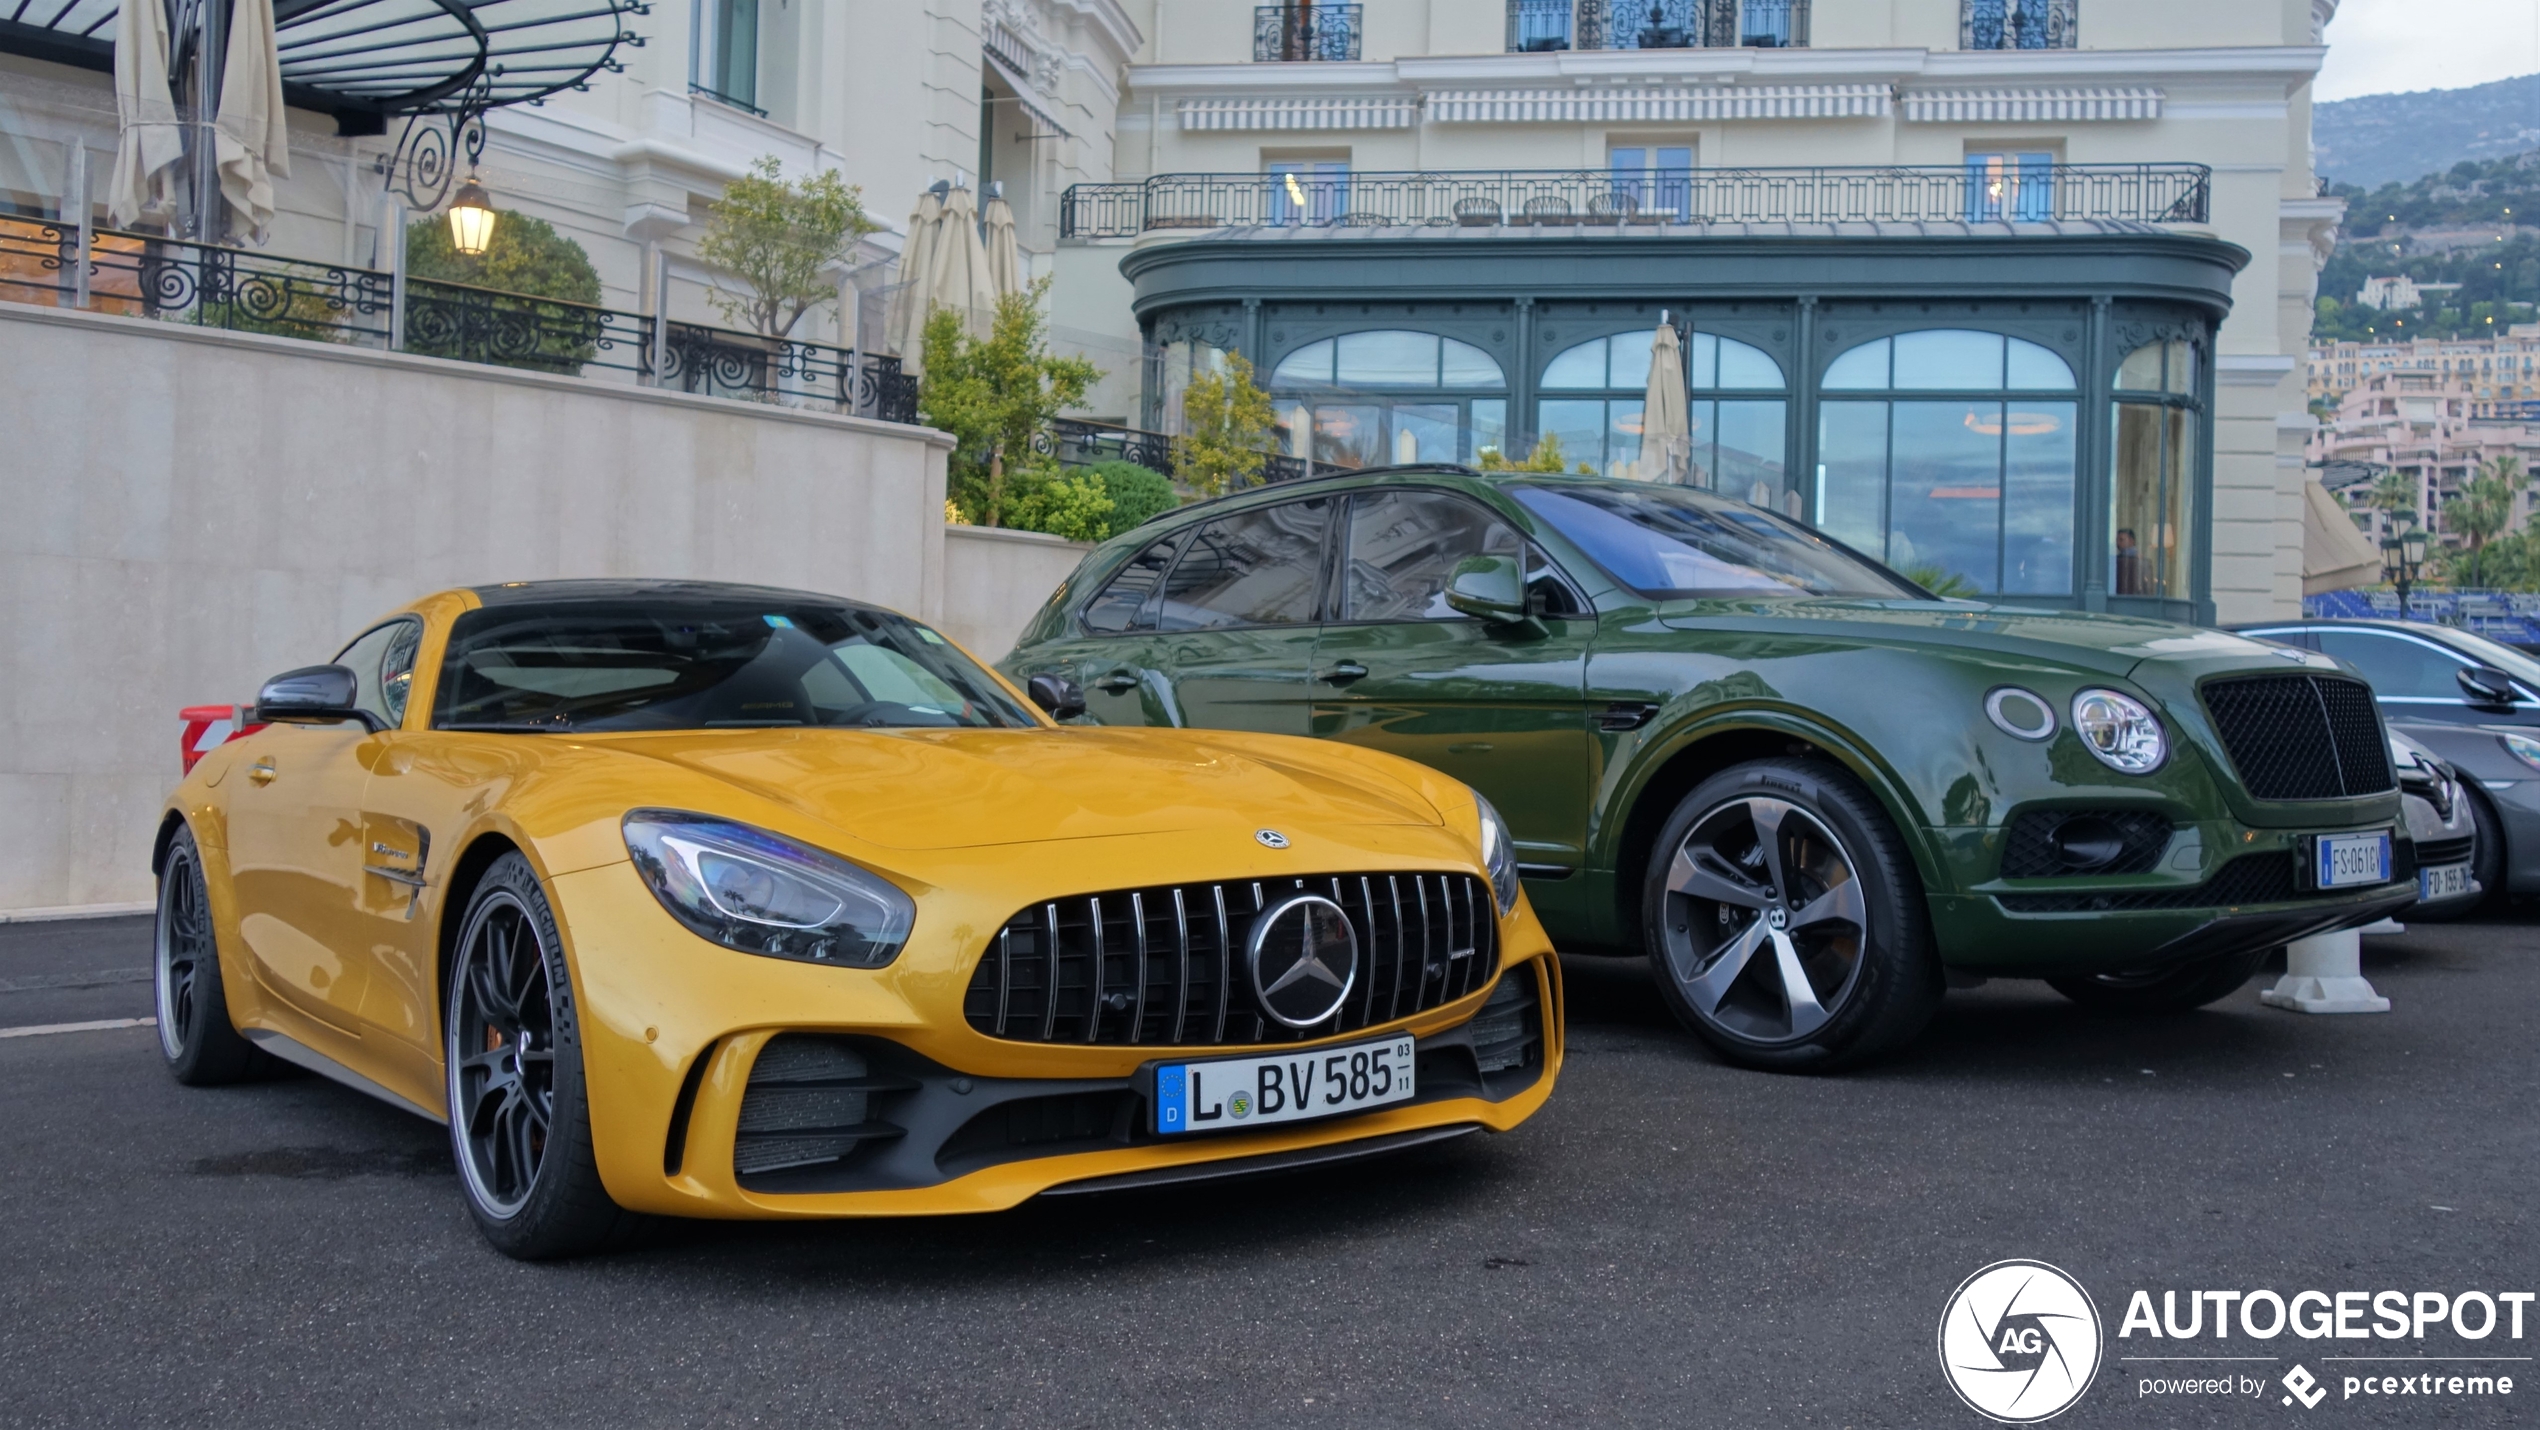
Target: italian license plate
pixel 2342 861
pixel 1228 1093
pixel 2448 882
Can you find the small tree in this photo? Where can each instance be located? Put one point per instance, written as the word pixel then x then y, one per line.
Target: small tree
pixel 779 238
pixel 1226 426
pixel 995 396
pixel 1546 457
pixel 2485 507
pixel 1136 493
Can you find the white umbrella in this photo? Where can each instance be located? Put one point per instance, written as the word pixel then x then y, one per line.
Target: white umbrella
pixel 961 280
pixel 1005 258
pixel 902 326
pixel 2335 555
pixel 1666 428
pixel 149 139
pixel 253 138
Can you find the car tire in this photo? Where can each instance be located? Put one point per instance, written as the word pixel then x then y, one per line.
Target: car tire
pixel 2167 990
pixel 1783 872
pixel 202 1045
pixel 520 1116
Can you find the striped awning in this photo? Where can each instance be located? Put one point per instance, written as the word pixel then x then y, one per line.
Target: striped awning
pixel 2027 106
pixel 1296 111
pixel 1619 105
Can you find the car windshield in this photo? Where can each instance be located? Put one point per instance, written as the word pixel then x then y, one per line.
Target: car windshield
pixel 707 665
pixel 2493 652
pixel 1669 542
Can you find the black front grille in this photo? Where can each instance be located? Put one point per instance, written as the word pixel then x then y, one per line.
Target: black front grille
pixel 2435 853
pixel 2132 840
pixel 2295 737
pixel 1165 965
pixel 2249 879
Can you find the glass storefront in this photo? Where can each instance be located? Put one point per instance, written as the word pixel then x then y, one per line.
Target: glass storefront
pixel 1389 396
pixel 1735 414
pixel 2153 478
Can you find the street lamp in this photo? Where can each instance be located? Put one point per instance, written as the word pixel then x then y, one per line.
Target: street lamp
pixel 2403 555
pixel 471 218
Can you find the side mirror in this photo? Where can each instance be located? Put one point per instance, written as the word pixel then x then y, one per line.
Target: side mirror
pixel 2486 685
pixel 1491 588
pixel 1057 694
pixel 311 695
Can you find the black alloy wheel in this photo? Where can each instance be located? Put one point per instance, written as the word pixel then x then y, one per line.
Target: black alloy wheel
pixel 202 1046
pixel 519 1120
pixel 1785 922
pixel 2164 990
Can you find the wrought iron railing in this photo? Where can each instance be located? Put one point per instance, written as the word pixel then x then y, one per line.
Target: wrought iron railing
pixel 719 97
pixel 1306 30
pixel 2019 24
pixel 1655 24
pixel 1515 198
pixel 1082 444
pixel 170 280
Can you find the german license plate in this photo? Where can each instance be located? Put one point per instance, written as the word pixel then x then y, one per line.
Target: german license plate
pixel 2448 882
pixel 2342 861
pixel 1227 1093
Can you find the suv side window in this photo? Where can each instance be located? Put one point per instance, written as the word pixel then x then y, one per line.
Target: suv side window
pixel 382 660
pixel 2397 667
pixel 1403 546
pixel 1122 606
pixel 1262 567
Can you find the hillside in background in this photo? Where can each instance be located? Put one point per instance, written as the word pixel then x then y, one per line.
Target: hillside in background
pixel 2473 224
pixel 2393 138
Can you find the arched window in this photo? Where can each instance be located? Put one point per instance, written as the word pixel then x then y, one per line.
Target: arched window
pixel 2153 487
pixel 1393 395
pixel 1734 416
pixel 1967 484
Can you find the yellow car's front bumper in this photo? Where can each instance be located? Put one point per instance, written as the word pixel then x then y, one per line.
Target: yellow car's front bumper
pixel 672 1026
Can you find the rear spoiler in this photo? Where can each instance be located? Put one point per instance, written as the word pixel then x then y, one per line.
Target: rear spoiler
pixel 208 727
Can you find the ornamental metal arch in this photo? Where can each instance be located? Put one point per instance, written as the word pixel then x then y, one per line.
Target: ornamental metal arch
pixel 364 61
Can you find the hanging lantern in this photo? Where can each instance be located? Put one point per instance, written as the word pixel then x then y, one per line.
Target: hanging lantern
pixel 471 218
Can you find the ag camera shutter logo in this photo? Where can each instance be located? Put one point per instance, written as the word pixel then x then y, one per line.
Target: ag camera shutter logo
pixel 2019 1342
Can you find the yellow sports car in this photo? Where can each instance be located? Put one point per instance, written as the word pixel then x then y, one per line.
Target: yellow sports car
pixel 712 900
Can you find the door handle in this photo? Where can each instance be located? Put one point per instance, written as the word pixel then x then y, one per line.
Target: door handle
pixel 1343 673
pixel 261 772
pixel 1117 681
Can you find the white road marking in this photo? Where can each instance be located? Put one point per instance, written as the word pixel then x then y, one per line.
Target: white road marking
pixel 40 1029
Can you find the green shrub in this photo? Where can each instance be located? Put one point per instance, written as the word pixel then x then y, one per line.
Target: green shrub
pixel 526 257
pixel 1136 493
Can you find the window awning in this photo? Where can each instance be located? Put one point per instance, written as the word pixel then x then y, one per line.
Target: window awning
pixel 364 60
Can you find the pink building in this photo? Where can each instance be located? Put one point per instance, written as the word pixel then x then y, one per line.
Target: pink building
pixel 2421 424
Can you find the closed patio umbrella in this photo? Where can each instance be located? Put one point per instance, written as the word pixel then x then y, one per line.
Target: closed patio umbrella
pixel 148 140
pixel 1005 258
pixel 907 318
pixel 961 278
pixel 253 139
pixel 2335 556
pixel 1666 431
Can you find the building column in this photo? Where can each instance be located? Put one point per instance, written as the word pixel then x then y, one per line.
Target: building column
pixel 1521 385
pixel 2095 456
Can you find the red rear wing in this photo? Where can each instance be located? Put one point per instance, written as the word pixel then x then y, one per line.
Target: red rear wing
pixel 208 727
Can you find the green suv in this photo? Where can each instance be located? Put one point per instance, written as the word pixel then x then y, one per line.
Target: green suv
pixel 1812 793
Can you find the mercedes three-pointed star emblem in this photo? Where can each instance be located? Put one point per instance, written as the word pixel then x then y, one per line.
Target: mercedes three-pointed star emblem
pixel 1303 959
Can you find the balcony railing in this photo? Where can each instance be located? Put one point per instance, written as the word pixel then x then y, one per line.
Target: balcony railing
pixel 1082 444
pixel 2018 24
pixel 1302 30
pixel 1522 199
pixel 168 280
pixel 1535 25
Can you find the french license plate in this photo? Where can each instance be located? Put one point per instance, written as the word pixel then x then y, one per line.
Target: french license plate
pixel 2342 861
pixel 1283 1087
pixel 2448 882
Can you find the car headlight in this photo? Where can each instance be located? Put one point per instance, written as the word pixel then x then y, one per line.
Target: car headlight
pixel 762 893
pixel 1499 856
pixel 2120 730
pixel 2522 747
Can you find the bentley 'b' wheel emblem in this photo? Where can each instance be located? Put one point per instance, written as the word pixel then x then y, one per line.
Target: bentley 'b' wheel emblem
pixel 1271 838
pixel 1303 959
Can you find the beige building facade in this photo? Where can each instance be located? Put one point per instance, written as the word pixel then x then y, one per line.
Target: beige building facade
pixel 2499 377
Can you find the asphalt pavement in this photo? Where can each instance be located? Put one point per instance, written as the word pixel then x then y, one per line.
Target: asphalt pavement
pixel 1671 1242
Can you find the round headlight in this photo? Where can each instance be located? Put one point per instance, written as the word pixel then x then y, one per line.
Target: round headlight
pixel 2120 730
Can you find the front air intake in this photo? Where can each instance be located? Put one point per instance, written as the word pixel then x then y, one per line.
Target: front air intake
pixel 810 1100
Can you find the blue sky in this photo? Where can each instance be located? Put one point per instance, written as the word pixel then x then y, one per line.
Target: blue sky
pixel 2382 46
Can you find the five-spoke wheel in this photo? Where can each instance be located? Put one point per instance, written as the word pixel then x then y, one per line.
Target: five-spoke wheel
pixel 1784 920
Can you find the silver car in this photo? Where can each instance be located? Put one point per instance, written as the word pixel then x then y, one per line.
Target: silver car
pixel 2442 827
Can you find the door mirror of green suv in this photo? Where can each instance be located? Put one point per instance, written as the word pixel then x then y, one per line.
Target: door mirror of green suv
pixel 1492 588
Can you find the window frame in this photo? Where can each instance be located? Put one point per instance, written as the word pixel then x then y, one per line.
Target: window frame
pixel 1541 392
pixel 1152 610
pixel 2196 483
pixel 1336 392
pixel 1335 595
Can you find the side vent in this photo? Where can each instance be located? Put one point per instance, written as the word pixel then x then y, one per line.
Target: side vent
pixel 1508 1032
pixel 809 1102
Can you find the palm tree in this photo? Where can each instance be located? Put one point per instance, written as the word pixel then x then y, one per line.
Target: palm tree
pixel 2485 506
